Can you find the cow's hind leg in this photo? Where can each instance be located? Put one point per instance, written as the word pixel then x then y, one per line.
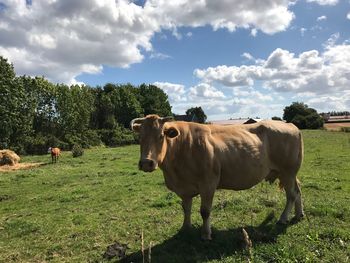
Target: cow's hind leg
pixel 299 211
pixel 290 185
pixel 187 206
pixel 206 203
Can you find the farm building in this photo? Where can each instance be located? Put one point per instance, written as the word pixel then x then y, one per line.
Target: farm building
pixel 188 118
pixel 345 118
pixel 236 121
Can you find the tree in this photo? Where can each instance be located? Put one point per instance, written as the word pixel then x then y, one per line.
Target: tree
pixel 74 109
pixel 7 101
pixel 302 116
pixel 127 106
pixel 275 118
pixel 17 108
pixel 198 112
pixel 153 100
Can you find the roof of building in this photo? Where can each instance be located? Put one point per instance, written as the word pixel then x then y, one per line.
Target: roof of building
pixel 236 121
pixel 188 118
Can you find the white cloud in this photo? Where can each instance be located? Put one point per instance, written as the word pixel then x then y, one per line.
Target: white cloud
pixel 269 17
pixel 332 40
pixel 57 38
pixel 324 2
pixel 302 31
pixel 175 91
pixel 283 71
pixel 254 32
pixel 320 18
pixel 158 55
pixel 205 91
pixel 348 16
pixel 247 56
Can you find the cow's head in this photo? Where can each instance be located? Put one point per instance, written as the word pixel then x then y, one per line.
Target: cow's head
pixel 154 134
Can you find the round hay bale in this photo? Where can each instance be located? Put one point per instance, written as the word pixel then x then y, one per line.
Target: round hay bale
pixel 8 157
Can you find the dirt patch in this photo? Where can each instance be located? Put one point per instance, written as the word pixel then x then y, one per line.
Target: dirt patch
pixel 19 166
pixel 336 126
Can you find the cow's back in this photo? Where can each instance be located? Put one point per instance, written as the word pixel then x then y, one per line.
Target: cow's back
pixel 250 153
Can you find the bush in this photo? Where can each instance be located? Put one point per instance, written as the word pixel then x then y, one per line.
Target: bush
pixel 39 144
pixel 77 150
pixel 117 137
pixel 345 129
pixel 91 138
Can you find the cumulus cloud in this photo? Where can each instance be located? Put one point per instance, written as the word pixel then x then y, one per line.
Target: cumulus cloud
pixel 302 31
pixel 320 18
pixel 175 91
pixel 324 2
pixel 269 17
pixel 283 71
pixel 247 56
pixel 205 91
pixel 348 16
pixel 62 39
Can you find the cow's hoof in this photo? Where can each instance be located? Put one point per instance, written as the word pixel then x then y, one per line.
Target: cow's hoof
pixel 206 236
pixel 298 218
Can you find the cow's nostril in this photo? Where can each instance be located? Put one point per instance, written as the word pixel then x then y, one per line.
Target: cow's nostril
pixel 147 165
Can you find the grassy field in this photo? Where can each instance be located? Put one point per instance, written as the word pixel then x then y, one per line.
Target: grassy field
pixel 71 211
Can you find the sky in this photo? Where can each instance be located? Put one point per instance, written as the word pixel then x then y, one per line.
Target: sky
pixel 233 58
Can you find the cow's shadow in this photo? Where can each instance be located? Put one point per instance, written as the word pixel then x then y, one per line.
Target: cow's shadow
pixel 188 247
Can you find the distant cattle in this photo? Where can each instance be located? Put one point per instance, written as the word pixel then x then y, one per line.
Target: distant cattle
pixel 55 153
pixel 198 159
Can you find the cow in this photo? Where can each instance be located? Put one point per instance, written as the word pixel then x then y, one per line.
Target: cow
pixel 196 159
pixel 55 153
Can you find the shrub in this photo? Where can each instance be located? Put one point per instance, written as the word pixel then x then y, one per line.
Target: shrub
pixel 91 138
pixel 39 144
pixel 77 150
pixel 117 137
pixel 345 129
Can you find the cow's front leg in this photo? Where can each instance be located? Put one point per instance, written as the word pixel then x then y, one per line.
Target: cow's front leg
pixel 206 203
pixel 187 206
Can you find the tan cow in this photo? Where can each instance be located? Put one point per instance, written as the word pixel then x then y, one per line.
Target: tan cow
pixel 198 159
pixel 55 153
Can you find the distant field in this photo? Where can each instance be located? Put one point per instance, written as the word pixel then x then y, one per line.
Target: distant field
pixel 336 126
pixel 71 211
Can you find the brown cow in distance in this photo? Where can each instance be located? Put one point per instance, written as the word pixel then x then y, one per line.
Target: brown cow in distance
pixel 55 153
pixel 198 159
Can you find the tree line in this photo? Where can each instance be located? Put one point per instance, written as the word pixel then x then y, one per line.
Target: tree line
pixel 36 114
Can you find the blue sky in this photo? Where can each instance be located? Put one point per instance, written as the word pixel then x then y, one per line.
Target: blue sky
pixel 233 58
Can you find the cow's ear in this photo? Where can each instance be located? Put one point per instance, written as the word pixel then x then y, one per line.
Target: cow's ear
pixel 171 132
pixel 136 127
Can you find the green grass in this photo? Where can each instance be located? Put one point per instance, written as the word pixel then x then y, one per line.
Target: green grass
pixel 71 211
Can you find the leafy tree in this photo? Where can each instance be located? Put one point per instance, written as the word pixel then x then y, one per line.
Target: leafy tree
pixel 17 108
pixel 275 118
pixel 153 100
pixel 45 119
pixel 74 108
pixel 7 101
pixel 198 111
pixel 302 116
pixel 127 106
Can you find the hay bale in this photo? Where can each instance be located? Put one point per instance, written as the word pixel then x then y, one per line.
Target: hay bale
pixel 8 157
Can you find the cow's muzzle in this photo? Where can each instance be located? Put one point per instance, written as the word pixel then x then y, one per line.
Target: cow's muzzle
pixel 147 165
